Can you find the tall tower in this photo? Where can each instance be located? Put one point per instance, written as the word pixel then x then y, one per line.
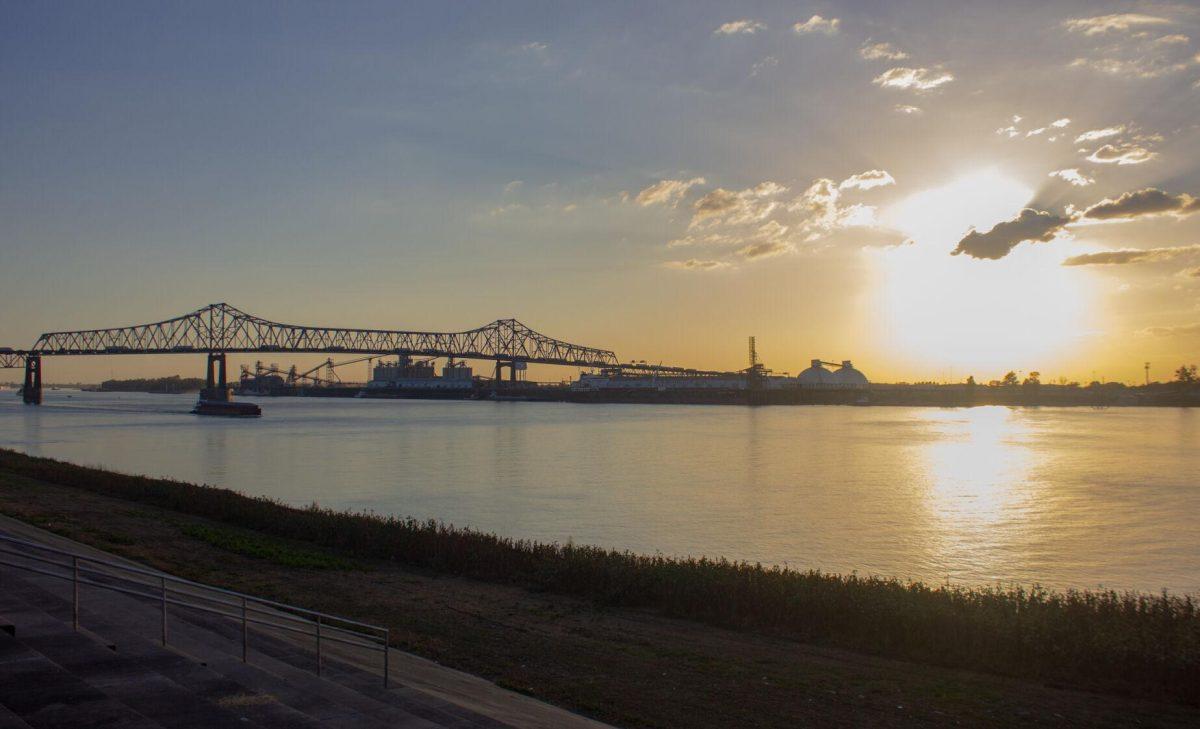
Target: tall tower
pixel 753 355
pixel 1147 373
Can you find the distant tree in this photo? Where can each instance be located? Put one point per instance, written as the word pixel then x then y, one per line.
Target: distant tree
pixel 1034 379
pixel 1186 374
pixel 1010 380
pixel 971 381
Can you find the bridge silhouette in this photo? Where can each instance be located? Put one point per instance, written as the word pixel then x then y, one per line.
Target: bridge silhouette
pixel 220 329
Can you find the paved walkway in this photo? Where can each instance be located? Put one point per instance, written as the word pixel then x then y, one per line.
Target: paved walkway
pixel 46 668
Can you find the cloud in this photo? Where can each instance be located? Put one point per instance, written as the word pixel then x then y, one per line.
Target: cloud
pixel 730 207
pixel 756 222
pixel 1073 176
pixel 817 24
pixel 666 192
pixel 1182 330
pixel 1030 225
pixel 1170 40
pixel 1122 153
pixel 917 79
pixel 1137 66
pixel 1117 22
pixel 867 180
pixel 1131 255
pixel 695 264
pixel 906 109
pixel 765 249
pixel 1035 132
pixel 744 26
pixel 1060 123
pixel 1191 272
pixel 1094 134
pixel 1149 201
pixel 881 51
pixel 764 64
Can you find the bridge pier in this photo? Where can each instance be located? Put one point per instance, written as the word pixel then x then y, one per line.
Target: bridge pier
pixel 216 386
pixel 32 392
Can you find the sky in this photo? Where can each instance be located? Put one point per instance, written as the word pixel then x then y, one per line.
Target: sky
pixel 930 189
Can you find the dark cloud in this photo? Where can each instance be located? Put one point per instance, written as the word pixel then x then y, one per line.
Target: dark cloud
pixel 1131 255
pixel 1149 201
pixel 1031 225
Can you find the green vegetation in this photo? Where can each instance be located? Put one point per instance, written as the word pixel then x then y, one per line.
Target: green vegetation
pixel 173 385
pixel 1132 643
pixel 254 544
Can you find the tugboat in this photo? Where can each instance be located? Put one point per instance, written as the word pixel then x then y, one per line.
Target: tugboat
pixel 219 401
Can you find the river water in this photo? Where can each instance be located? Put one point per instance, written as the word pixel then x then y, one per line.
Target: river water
pixel 1063 497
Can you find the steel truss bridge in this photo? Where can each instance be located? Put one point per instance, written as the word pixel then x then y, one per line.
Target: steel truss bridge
pixel 220 329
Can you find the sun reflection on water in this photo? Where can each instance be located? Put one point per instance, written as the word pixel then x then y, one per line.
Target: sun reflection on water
pixel 979 486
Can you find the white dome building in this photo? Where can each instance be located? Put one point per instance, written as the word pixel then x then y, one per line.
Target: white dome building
pixel 815 376
pixel 847 376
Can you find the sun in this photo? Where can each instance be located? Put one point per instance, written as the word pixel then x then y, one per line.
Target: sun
pixel 973 316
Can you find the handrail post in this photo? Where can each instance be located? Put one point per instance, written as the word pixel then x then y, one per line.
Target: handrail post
pixel 318 645
pixel 245 631
pixel 386 640
pixel 75 593
pixel 163 580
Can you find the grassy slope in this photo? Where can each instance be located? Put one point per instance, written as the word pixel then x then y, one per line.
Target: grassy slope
pixel 1095 640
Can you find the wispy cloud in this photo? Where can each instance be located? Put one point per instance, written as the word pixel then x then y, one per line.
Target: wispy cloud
pixel 1118 22
pixel 696 264
pixel 1073 176
pixel 666 192
pixel 1131 255
pixel 818 24
pixel 908 109
pixel 1175 331
pixel 744 26
pixel 881 51
pixel 1094 134
pixel 1122 153
pixel 917 79
pixel 763 65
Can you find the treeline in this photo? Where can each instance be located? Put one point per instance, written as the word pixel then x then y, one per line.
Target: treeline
pixel 1134 643
pixel 172 384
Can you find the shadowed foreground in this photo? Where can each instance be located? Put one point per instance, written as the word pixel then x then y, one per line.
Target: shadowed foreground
pixel 598 631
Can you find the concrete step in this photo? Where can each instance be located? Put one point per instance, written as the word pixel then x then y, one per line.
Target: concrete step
pixel 9 720
pixel 133 682
pixel 44 695
pixel 214 647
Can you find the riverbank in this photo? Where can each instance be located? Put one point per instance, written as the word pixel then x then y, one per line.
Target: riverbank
pixel 650 641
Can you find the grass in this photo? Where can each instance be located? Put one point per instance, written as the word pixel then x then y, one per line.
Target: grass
pixel 253 544
pixel 1129 643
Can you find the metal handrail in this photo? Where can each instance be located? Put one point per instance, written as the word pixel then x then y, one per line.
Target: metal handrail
pixel 83 571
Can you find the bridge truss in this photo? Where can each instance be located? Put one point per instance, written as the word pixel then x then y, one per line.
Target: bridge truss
pixel 220 328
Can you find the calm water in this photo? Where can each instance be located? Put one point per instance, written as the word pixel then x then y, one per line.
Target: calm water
pixel 1062 497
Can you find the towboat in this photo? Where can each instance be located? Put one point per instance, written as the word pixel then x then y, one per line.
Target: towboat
pixel 227 408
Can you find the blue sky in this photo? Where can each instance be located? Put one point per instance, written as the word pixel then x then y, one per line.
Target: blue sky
pixel 439 165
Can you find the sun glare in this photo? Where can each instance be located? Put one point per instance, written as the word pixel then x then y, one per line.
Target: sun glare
pixel 975 316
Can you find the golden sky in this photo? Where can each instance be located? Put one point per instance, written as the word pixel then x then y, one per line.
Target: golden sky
pixel 932 190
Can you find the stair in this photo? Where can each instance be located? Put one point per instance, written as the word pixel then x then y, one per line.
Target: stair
pixel 114 673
